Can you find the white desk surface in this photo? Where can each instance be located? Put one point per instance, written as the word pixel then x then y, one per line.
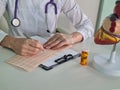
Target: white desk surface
pixel 68 76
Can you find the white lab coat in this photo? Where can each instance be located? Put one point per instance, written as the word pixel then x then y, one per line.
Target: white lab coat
pixel 32 17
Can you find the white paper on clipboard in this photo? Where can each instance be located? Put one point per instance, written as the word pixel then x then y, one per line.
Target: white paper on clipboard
pixel 51 61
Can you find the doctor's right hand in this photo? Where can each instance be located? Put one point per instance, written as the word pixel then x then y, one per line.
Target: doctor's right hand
pixel 22 46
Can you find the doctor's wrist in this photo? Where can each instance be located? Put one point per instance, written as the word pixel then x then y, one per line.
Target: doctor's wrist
pixel 7 41
pixel 76 37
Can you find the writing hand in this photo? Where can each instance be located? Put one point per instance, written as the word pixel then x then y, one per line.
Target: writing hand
pixel 22 46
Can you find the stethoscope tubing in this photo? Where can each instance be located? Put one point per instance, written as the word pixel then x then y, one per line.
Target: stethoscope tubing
pixel 15 18
pixel 16 8
pixel 52 3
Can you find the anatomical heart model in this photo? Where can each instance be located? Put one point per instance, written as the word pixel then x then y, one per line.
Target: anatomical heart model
pixel 109 32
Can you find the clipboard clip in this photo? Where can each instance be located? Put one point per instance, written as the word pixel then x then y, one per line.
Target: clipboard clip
pixel 60 60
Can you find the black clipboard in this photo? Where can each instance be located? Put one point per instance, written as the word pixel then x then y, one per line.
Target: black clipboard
pixel 60 60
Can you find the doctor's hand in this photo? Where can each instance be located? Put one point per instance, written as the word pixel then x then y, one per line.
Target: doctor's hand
pixel 60 40
pixel 22 46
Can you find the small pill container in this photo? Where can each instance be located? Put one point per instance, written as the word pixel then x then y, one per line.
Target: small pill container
pixel 84 57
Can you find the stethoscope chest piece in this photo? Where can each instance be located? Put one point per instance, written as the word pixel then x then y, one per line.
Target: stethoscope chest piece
pixel 15 22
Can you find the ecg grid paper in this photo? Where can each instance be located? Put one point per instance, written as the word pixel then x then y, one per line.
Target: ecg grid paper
pixel 30 63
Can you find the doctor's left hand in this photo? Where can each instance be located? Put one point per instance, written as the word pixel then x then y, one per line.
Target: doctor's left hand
pixel 60 40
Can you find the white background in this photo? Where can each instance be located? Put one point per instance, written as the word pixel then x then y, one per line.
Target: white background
pixel 90 8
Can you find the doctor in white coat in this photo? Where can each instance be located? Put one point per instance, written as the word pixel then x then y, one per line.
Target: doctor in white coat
pixel 39 17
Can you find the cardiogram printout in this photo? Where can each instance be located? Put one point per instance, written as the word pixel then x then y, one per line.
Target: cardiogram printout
pixel 30 63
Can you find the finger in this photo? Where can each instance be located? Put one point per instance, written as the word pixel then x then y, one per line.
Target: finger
pixel 33 50
pixel 49 42
pixel 52 39
pixel 62 43
pixel 36 44
pixel 59 45
pixel 29 53
pixel 26 54
pixel 27 50
pixel 54 44
pixel 21 52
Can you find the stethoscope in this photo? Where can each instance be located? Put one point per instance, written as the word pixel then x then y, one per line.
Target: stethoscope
pixel 16 21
